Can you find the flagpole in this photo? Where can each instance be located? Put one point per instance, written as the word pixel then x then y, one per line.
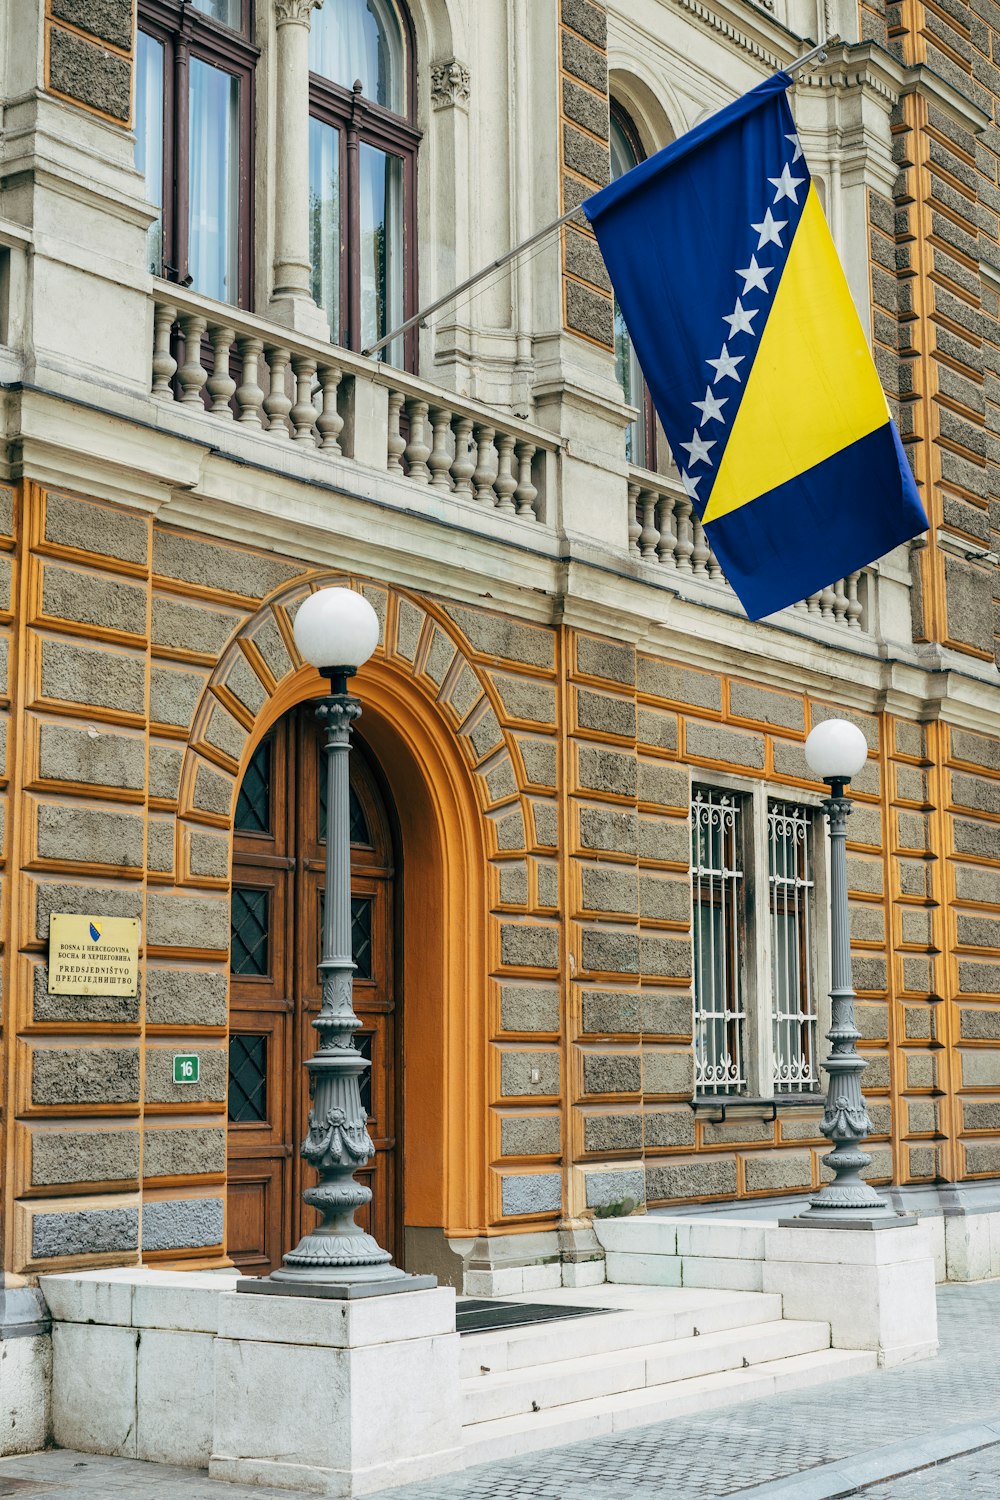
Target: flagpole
pixel 817 53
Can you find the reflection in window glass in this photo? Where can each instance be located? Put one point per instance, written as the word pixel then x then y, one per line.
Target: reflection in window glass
pixel 149 138
pixel 381 248
pixel 226 11
pixel 359 39
pixel 324 220
pixel 214 174
pixel 623 159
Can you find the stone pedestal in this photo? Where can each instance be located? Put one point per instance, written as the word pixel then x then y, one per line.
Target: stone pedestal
pixel 876 1290
pixel 336 1397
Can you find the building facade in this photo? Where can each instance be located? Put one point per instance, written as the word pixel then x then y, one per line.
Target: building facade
pixel 589 888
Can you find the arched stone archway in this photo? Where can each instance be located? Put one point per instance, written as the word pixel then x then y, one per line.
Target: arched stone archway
pixel 430 717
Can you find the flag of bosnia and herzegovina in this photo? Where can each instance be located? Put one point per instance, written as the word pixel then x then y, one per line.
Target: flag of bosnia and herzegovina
pixel 754 354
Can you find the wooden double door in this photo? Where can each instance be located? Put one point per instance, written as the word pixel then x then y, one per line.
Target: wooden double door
pixel 277 905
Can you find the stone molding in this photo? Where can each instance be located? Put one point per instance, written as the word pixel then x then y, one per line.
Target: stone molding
pixel 450 84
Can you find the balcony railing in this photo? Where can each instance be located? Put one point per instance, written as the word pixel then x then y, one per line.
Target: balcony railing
pixel 239 368
pixel 663 529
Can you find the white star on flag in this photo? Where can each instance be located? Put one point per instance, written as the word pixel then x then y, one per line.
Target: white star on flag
pixel 725 365
pixel 690 485
pixel 786 185
pixel 769 230
pixel 740 320
pixel 711 407
pixel 698 448
pixel 797 144
pixel 754 276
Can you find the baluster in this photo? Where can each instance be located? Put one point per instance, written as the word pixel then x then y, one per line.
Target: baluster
pixel 505 484
pixel 439 461
pixel 839 601
pixel 417 451
pixel 665 525
pixel 827 599
pixel 634 524
pixel 329 423
pixel 303 413
pixel 714 566
pixel 648 536
pixel 163 363
pixel 855 609
pixel 395 441
pixel 191 375
pixel 812 604
pixel 276 402
pixel 220 384
pixel 685 544
pixel 482 479
pixel 525 494
pixel 463 465
pixel 699 550
pixel 249 395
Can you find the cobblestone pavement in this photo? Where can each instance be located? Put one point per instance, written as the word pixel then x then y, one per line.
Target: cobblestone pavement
pixel 833 1441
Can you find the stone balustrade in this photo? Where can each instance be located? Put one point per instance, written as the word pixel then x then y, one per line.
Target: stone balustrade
pixel 663 529
pixel 242 369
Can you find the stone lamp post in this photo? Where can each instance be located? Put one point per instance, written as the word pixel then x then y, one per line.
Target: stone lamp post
pixel 836 750
pixel 337 630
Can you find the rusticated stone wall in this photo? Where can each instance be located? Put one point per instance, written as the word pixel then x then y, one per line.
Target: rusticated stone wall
pixel 585 159
pixel 89 47
pixel 142 661
pixel 946 234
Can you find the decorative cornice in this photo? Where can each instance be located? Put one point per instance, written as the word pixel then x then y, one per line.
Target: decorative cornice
pixel 294 12
pixel 450 84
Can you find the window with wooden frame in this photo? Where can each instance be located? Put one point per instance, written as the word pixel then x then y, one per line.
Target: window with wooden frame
pixel 640 435
pixel 194 141
pixel 760 954
pixel 362 173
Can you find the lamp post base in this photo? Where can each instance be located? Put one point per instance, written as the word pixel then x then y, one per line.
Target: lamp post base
pixel 841 1218
pixel 308 1284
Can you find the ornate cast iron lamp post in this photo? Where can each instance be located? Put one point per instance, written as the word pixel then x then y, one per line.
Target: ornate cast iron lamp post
pixel 337 630
pixel 836 750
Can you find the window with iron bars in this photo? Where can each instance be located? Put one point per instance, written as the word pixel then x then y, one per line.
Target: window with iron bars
pixel 758 948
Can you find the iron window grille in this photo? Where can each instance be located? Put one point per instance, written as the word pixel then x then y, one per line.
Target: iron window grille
pixel 716 875
pixel 760 955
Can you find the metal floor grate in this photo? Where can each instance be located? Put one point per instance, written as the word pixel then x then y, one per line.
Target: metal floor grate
pixel 481 1314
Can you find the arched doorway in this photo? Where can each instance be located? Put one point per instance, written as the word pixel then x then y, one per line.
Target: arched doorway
pixel 277 895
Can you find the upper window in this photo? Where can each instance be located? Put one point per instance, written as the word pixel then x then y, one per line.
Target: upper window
pixel 755 1023
pixel 640 436
pixel 194 139
pixel 362 173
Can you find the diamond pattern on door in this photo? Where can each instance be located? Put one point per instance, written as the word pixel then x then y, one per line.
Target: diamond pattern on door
pixel 247 1077
pixel 250 924
pixel 361 935
pixel 253 805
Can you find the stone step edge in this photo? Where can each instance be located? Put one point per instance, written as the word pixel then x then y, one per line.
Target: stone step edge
pixel 641 1353
pixel 485 1442
pixel 631 1321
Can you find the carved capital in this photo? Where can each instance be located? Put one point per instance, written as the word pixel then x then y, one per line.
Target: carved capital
pixel 294 12
pixel 450 83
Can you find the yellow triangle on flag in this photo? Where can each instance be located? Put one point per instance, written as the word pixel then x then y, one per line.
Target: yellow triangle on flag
pixel 813 388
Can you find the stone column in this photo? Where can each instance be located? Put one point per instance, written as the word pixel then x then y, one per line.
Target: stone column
pixel 291 299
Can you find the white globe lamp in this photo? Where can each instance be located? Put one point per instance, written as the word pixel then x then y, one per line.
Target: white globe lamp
pixel 336 630
pixel 836 750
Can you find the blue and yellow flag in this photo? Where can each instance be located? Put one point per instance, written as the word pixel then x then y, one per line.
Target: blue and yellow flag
pixel 754 354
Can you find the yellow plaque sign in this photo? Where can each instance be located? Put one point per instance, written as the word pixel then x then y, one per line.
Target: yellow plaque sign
pixel 93 955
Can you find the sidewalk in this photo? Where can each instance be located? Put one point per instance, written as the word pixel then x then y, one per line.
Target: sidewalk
pixel 937 1423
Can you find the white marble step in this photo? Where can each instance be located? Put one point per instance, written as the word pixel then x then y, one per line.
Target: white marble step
pixel 561 1382
pixel 644 1315
pixel 507 1437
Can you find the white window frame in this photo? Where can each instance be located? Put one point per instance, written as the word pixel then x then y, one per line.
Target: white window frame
pixel 756 961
